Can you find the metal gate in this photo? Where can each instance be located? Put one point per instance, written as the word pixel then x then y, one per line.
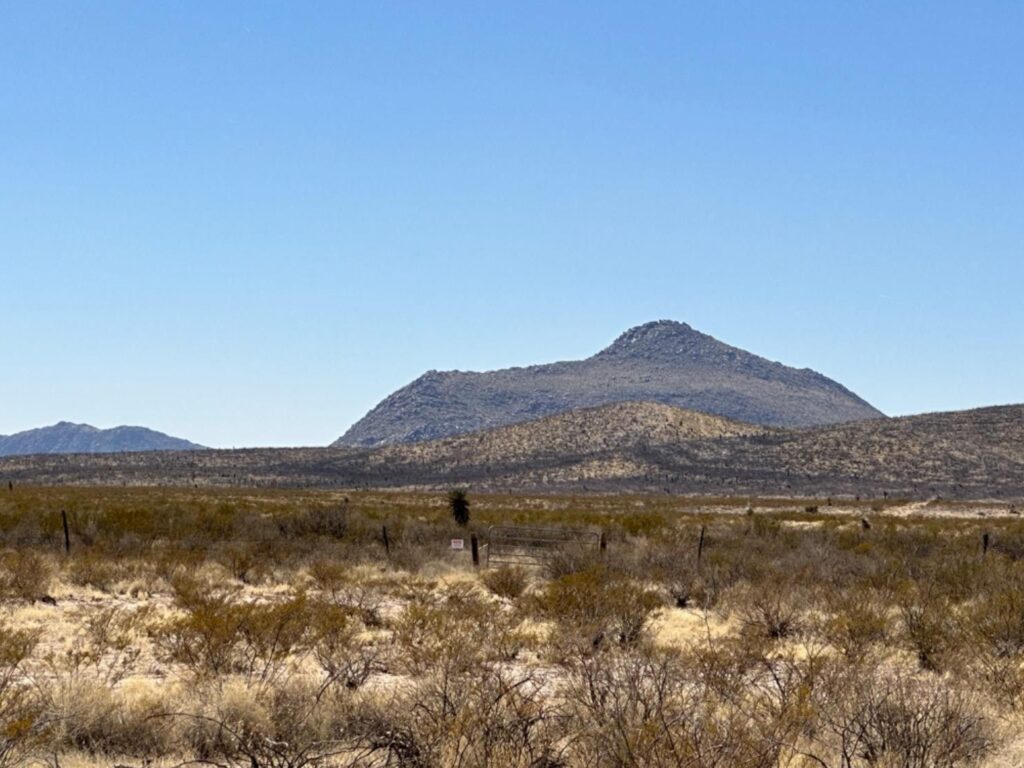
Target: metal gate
pixel 532 546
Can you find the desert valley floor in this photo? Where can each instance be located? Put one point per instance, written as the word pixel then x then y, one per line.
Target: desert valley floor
pixel 263 627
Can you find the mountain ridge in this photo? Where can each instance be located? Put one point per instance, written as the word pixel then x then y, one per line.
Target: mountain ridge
pixel 663 361
pixel 622 448
pixel 69 437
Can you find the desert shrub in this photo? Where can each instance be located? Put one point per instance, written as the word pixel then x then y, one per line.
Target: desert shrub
pixel 764 526
pixel 575 601
pixel 669 567
pixel 1010 543
pixel 453 630
pixel 76 688
pixel 887 718
pixel 22 721
pixel 170 560
pixel 81 710
pixel 94 568
pixel 270 675
pixel 631 607
pixel 330 576
pixel 995 619
pixel 570 559
pixel 639 709
pixel 286 726
pixel 128 575
pixel 15 647
pixel 23 530
pixel 247 561
pixel 615 700
pixel 205 637
pixel 339 585
pixel 271 634
pixel 958 579
pixel 490 718
pixel 381 730
pixel 721 569
pixel 770 610
pixel 216 634
pixel 410 558
pixel 991 635
pixel 590 606
pixel 855 623
pixel 927 628
pixel 416 543
pixel 508 581
pixel 332 521
pixel 24 575
pixel 644 524
pixel 110 644
pixel 341 649
pixel 138 727
pixel 219 716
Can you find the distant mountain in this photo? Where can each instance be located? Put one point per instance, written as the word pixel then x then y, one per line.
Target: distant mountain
pixel 663 362
pixel 66 437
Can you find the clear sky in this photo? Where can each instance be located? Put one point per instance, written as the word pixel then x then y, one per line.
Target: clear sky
pixel 245 223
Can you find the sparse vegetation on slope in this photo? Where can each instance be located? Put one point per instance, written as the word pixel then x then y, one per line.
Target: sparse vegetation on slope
pixel 637 447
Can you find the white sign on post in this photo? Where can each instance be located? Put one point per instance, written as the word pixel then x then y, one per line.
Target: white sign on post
pixel 458 543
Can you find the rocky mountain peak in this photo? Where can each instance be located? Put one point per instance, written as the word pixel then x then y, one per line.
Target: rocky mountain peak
pixel 663 362
pixel 661 339
pixel 71 425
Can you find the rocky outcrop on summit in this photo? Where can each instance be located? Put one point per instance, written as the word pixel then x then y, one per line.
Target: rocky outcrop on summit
pixel 663 362
pixel 66 437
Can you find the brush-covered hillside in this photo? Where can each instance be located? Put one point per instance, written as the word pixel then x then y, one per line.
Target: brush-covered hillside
pixel 634 447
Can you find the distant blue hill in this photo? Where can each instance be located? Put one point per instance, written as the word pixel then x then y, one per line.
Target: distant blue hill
pixel 66 437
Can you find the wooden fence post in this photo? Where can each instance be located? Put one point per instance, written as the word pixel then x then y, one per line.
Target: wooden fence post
pixel 67 533
pixel 474 547
pixel 387 544
pixel 986 541
pixel 700 545
pixel 604 542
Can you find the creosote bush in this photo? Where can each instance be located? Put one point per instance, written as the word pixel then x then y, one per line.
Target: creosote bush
pixel 642 708
pixel 507 581
pixel 22 722
pixel 770 610
pixel 454 631
pixel 218 634
pixel 24 575
pixel 886 717
pixel 856 622
pixel 593 607
pixel 493 717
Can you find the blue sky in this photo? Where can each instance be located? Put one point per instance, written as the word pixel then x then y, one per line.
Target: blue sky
pixel 246 223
